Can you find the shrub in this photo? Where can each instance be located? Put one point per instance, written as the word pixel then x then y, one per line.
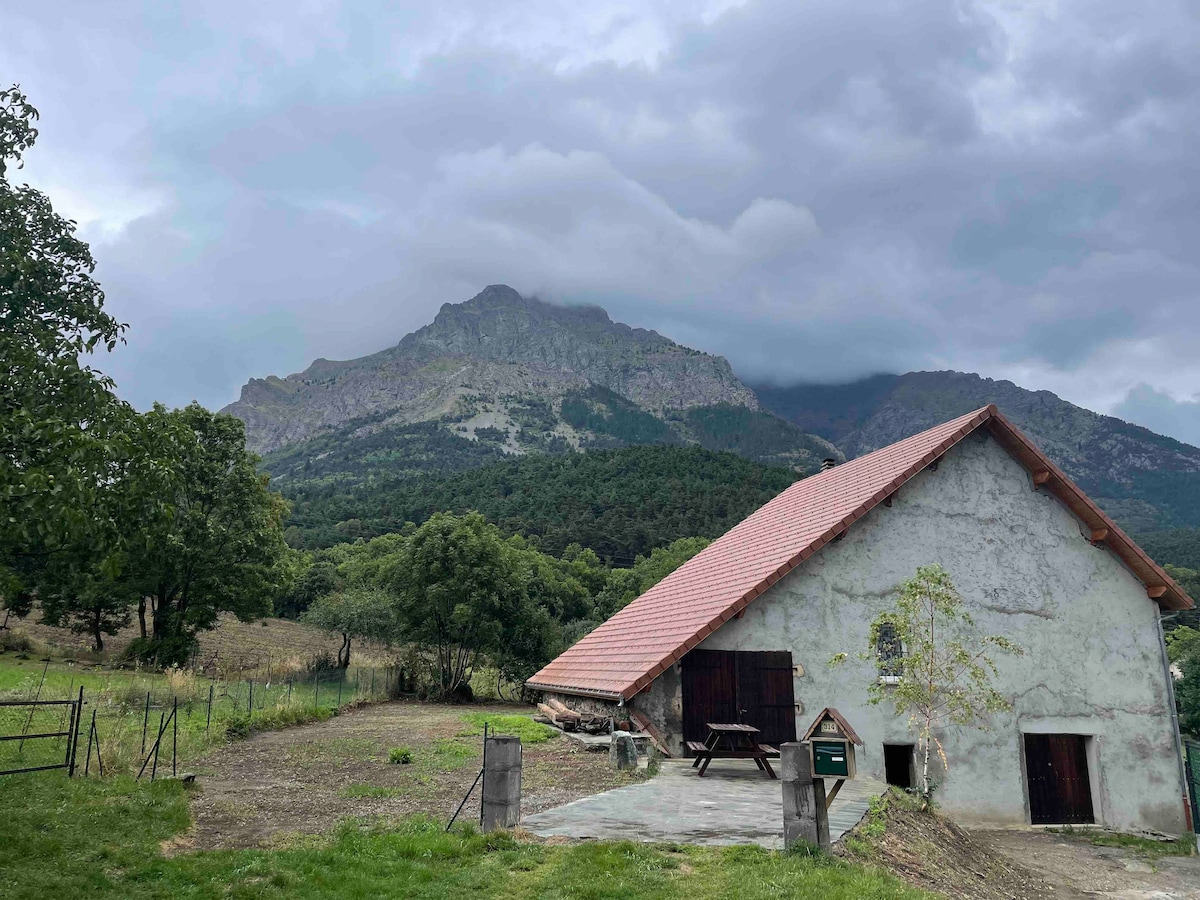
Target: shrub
pixel 321 664
pixel 174 650
pixel 11 640
pixel 237 726
pixel 400 756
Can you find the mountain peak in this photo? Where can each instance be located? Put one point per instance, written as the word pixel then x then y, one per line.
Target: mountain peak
pixel 502 300
pixel 499 344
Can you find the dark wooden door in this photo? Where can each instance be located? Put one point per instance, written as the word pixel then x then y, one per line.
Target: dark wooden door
pixel 709 691
pixel 750 687
pixel 765 697
pixel 1060 791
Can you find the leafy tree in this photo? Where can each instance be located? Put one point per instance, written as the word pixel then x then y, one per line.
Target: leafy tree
pixel 215 542
pixel 1182 642
pixel 462 592
pixel 314 577
pixel 626 585
pixel 365 613
pixel 1187 694
pixel 945 667
pixel 582 564
pixel 58 416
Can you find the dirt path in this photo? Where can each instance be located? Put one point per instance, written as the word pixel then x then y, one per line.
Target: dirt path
pixel 1075 868
pixel 305 779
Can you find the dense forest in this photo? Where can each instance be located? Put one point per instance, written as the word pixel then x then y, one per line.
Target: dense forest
pixel 620 503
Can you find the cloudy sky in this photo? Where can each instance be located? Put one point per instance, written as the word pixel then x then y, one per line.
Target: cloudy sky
pixel 817 189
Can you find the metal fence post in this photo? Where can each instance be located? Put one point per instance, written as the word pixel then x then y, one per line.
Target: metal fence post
pixel 250 708
pixel 208 719
pixel 87 762
pixel 73 737
pixel 174 732
pixel 145 721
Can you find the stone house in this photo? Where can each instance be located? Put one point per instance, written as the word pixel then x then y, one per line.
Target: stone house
pixel 744 631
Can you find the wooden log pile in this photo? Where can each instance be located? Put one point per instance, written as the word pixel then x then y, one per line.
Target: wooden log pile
pixel 555 712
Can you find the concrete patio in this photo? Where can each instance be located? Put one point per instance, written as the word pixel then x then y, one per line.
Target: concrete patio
pixel 734 803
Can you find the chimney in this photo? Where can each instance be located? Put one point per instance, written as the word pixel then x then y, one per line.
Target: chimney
pixel 828 463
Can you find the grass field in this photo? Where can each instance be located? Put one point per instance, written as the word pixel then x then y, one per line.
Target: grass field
pixel 131 704
pixel 86 838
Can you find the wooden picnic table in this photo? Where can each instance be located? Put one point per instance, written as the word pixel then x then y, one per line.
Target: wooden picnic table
pixel 732 741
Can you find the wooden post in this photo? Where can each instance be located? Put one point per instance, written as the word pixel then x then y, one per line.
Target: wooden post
pixel 501 806
pixel 805 816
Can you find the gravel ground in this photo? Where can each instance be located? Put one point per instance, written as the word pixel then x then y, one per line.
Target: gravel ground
pixel 1076 868
pixel 304 780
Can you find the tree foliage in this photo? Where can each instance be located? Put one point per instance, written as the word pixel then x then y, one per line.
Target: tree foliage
pixel 945 669
pixel 620 503
pixel 461 593
pixel 58 416
pixel 625 585
pixel 357 612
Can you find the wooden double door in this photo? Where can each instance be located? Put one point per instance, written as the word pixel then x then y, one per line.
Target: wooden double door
pixel 1060 789
pixel 739 686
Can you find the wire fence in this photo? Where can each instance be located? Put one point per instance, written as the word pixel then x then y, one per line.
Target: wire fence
pixel 124 724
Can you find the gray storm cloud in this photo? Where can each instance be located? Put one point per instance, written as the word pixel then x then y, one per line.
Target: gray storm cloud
pixel 816 190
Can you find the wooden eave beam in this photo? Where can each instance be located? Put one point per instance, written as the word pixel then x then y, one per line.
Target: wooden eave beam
pixel 1099 534
pixel 1156 591
pixel 1041 476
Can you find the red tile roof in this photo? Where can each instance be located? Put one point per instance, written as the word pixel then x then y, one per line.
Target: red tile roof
pixel 626 653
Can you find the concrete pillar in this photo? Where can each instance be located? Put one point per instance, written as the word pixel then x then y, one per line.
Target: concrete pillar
pixel 502 783
pixel 804 813
pixel 622 751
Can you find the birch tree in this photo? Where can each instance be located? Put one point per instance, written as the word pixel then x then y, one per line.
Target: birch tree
pixel 943 670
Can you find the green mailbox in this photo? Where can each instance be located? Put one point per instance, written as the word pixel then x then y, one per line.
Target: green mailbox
pixel 831 741
pixel 832 758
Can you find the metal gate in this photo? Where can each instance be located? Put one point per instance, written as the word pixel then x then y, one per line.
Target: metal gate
pixel 1191 758
pixel 25 713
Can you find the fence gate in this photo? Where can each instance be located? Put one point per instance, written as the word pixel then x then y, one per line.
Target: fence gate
pixel 1191 758
pixel 29 722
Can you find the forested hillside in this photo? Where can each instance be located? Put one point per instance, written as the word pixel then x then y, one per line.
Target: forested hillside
pixel 620 503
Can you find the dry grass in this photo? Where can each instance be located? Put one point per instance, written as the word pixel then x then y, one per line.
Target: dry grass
pixel 234 649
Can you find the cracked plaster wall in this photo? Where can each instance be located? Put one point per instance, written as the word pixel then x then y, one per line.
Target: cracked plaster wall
pixel 1022 564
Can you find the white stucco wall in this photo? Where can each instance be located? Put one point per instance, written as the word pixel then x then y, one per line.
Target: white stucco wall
pixel 1021 561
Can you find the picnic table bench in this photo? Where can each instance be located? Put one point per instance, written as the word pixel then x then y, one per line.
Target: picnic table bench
pixel 732 741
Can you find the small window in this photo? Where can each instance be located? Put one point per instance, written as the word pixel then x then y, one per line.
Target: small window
pixel 890 654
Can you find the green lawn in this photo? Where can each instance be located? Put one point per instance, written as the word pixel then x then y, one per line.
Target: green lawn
pixel 118 696
pixel 87 838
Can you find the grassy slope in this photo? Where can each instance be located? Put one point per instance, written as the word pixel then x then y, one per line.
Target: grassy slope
pixel 61 838
pixel 118 697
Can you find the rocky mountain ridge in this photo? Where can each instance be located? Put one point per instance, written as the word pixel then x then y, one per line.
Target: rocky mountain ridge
pixel 523 375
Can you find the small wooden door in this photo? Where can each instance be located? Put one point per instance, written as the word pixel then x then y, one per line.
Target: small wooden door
pixel 747 687
pixel 1060 791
